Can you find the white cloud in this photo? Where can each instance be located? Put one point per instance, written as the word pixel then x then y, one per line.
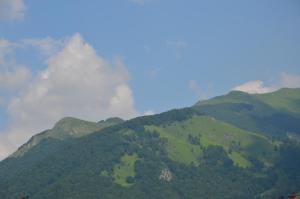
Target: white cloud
pixel 12 75
pixel 46 46
pixel 78 83
pixel 6 48
pixel 14 78
pixel 12 9
pixel 149 112
pixel 257 86
pixel 290 80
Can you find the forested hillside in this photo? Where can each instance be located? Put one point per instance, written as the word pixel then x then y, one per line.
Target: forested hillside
pixel 233 146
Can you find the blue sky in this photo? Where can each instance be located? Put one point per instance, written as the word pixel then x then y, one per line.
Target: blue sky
pixel 175 52
pixel 227 42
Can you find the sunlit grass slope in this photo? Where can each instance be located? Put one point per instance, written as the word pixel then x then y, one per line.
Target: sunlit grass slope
pixel 187 140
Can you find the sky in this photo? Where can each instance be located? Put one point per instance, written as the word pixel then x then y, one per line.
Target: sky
pixel 127 58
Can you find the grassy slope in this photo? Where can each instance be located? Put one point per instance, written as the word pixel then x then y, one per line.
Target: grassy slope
pixel 283 99
pixel 286 99
pixel 125 169
pixel 239 143
pixel 178 149
pixel 275 114
pixel 232 97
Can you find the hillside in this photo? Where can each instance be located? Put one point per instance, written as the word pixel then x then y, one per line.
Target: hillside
pixel 274 114
pixel 232 146
pixel 65 128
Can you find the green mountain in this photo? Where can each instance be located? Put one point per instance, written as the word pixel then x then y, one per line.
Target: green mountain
pixel 67 127
pixel 274 114
pixel 233 146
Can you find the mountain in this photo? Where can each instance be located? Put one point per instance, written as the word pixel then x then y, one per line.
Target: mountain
pixel 233 146
pixel 274 114
pixel 67 127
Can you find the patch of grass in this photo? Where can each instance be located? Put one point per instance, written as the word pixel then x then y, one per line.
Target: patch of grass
pixel 239 160
pixel 179 149
pixel 240 143
pixel 125 169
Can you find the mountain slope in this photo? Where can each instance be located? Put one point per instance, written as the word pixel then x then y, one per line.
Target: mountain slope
pixel 274 114
pixel 284 99
pixel 183 153
pixel 66 128
pixel 184 139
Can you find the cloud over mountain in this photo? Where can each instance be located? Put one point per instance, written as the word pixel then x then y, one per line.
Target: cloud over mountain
pixel 77 82
pixel 257 86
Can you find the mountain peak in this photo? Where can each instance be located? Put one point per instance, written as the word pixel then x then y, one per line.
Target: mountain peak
pixel 232 96
pixel 114 120
pixel 68 122
pixel 67 127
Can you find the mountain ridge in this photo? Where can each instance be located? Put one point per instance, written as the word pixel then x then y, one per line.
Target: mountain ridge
pixel 226 148
pixel 262 113
pixel 66 127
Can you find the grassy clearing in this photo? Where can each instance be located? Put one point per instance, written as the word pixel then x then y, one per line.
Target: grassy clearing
pixel 179 149
pixel 239 160
pixel 240 143
pixel 125 169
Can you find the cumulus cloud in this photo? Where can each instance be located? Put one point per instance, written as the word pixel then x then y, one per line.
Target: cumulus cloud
pixel 149 112
pixel 290 80
pixel 12 75
pixel 6 48
pixel 46 46
pixel 12 9
pixel 14 78
pixel 257 86
pixel 77 82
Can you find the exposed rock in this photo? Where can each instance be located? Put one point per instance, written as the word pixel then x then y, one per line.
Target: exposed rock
pixel 166 175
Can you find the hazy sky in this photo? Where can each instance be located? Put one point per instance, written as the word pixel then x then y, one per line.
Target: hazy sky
pixel 95 59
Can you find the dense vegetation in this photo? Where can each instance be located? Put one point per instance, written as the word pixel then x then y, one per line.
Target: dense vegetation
pixel 200 152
